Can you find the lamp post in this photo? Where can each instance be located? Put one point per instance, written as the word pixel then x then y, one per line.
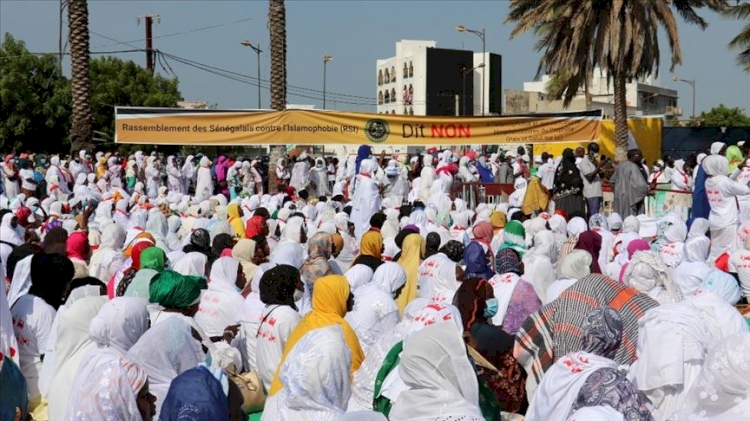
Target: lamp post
pixel 692 85
pixel 257 50
pixel 464 72
pixel 326 59
pixel 481 35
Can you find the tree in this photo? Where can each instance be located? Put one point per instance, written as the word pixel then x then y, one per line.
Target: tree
pixel 742 40
pixel 277 27
pixel 722 116
pixel 34 99
pixel 119 82
pixel 81 130
pixel 619 36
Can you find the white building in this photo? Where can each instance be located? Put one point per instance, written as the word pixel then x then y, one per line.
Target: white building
pixel 422 79
pixel 643 97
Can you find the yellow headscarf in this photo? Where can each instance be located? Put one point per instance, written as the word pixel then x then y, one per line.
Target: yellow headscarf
pixel 411 257
pixel 498 220
pixel 536 198
pixel 328 308
pixel 235 221
pixel 371 244
pixel 101 168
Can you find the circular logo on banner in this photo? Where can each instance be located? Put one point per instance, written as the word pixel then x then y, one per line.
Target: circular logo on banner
pixel 377 130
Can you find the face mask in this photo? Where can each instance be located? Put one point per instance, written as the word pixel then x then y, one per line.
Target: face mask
pixel 491 309
pixel 237 288
pixel 298 295
pixel 594 155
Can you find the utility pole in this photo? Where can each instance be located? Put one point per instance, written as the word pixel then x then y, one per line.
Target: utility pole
pixel 149 23
pixel 457 98
pixel 326 59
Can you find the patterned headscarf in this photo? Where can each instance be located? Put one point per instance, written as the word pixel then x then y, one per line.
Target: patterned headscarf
pixel 602 332
pixel 454 250
pixel 319 251
pixel 507 261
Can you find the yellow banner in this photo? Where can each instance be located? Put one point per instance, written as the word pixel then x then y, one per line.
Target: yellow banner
pixel 160 126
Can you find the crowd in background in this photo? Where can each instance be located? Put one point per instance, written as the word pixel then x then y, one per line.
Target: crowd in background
pixel 148 287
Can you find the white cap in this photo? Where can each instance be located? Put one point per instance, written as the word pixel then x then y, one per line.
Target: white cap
pixel 740 143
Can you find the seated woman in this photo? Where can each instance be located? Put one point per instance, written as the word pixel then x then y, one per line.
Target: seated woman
pixel 503 377
pixel 589 377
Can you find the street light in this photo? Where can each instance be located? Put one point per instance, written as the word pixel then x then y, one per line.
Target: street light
pixel 481 35
pixel 464 72
pixel 326 59
pixel 692 85
pixel 257 50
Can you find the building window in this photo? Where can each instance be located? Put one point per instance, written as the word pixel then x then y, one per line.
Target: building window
pixel 410 95
pixel 393 95
pixel 406 71
pixel 380 98
pixel 411 111
pixel 387 76
pixel 393 74
pixel 387 97
pixel 393 112
pixel 380 77
pixel 411 70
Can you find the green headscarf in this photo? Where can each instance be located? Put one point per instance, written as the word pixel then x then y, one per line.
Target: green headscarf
pixel 153 258
pixel 173 290
pixel 514 237
pixel 734 156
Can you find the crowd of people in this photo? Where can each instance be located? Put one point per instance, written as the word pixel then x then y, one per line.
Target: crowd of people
pixel 365 290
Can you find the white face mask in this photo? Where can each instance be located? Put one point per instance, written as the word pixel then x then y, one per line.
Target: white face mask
pixel 298 295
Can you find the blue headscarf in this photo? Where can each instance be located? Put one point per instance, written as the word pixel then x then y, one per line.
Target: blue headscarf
pixel 363 153
pixel 195 395
pixel 476 262
pixel 14 391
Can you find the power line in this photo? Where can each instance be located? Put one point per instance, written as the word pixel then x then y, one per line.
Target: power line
pixel 93 53
pixel 265 82
pixel 174 34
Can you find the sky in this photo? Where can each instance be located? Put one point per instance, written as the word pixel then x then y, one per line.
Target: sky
pixel 355 33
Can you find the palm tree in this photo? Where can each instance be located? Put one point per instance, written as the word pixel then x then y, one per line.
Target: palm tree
pixel 620 36
pixel 277 27
pixel 81 129
pixel 742 40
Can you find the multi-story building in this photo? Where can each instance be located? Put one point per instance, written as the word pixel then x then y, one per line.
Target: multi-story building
pixel 643 97
pixel 422 79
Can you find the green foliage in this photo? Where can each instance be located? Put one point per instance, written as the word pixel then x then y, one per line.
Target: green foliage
pixel 35 97
pixel 34 100
pixel 118 82
pixel 722 116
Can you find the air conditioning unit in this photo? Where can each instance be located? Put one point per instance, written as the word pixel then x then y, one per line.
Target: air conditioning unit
pixel 677 111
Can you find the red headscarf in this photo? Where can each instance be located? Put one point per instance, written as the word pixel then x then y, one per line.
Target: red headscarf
pixel 254 226
pixel 135 254
pixel 23 214
pixel 591 242
pixel 76 245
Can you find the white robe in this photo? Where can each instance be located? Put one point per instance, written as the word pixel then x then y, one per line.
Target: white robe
pixel 204 186
pixel 366 202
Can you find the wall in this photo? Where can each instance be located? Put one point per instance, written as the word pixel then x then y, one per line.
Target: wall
pixel 684 141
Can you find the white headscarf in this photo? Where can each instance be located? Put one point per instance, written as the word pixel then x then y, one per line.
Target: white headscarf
pixel 576 225
pixel 72 344
pixel 222 303
pixel 375 312
pixel 442 381
pixel 720 393
pixel 648 273
pixel 105 260
pixel 699 227
pixel 120 323
pixel 313 391
pixel 165 351
pixel 358 276
pixel 7 233
pixel 21 280
pixel 191 264
pixel 716 165
pixel 575 265
pixel 106 388
pixel 716 147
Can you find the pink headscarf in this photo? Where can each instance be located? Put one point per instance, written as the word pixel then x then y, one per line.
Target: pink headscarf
pixel 76 245
pixel 634 246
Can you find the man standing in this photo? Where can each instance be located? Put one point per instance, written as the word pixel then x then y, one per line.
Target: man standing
pixel 630 186
pixel 592 183
pixel 546 171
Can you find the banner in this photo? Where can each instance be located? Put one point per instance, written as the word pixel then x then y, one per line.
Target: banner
pixel 167 126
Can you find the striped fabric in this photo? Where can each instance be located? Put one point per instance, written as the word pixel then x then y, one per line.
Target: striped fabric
pixel 556 329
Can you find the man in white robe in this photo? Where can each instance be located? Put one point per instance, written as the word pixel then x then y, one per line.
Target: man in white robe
pixel 367 199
